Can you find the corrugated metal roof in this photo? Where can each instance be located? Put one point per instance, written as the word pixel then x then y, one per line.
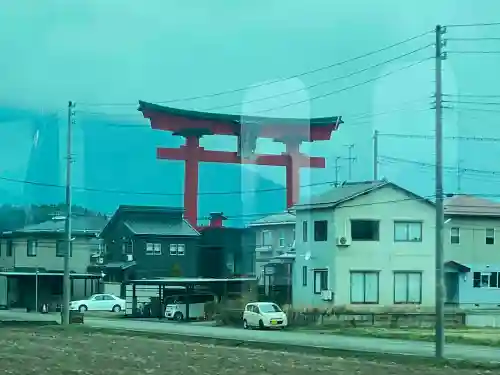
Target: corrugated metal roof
pixel 161 228
pixel 276 219
pixel 80 225
pixel 340 194
pixel 467 205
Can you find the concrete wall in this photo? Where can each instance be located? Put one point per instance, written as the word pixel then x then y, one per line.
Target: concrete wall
pixel 46 255
pixel 384 256
pixel 478 298
pixel 472 248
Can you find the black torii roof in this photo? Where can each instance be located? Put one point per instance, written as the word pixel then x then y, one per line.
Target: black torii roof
pixel 234 118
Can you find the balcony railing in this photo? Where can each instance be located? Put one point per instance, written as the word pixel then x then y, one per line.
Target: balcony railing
pixel 263 248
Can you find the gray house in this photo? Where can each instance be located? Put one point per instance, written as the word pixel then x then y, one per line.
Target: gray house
pixel 274 236
pixel 32 261
pixel 472 252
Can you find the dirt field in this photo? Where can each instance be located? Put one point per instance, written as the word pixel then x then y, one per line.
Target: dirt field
pixel 50 350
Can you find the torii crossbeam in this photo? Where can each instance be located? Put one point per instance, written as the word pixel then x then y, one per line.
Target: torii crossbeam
pixel 193 125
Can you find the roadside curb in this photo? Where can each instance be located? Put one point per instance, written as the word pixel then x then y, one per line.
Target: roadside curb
pixel 293 348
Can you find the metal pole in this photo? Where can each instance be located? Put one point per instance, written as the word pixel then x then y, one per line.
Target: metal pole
pixel 350 159
pixel 36 290
pixel 439 334
pixel 67 228
pixel 459 176
pixel 375 155
pixel 337 171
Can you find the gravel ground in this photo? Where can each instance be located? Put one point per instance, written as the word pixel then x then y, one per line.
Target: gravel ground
pixel 24 351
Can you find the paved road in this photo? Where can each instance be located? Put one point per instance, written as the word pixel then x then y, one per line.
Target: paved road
pixel 366 344
pixel 373 345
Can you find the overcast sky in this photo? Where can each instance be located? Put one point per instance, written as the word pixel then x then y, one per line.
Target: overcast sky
pixel 110 51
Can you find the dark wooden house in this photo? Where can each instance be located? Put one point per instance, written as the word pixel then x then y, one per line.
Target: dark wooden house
pixel 145 242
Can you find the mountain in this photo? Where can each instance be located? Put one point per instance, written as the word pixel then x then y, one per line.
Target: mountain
pixel 109 156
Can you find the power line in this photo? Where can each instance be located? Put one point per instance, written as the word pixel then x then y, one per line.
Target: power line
pixel 325 81
pixel 474 52
pixel 340 63
pixel 475 24
pixel 470 102
pixel 430 137
pixel 472 39
pixel 491 96
pixel 346 88
pixel 128 192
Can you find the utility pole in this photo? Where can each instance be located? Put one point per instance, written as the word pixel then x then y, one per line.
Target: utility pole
pixel 439 332
pixel 350 160
pixel 459 175
pixel 67 227
pixel 375 155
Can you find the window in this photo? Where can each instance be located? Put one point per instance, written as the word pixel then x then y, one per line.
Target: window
pixel 10 248
pixel 31 248
pixel 60 248
pixel 455 235
pixel 364 230
pixel 304 275
pixel 304 231
pixel 181 249
pixel 321 230
pixel 267 238
pixel 486 280
pixel 282 238
pixel 364 287
pixel 107 297
pixel 127 247
pixel 320 281
pixel 153 248
pixel 408 287
pixel 490 236
pixel 407 231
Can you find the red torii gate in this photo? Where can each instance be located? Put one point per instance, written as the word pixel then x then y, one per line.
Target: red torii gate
pixel 192 125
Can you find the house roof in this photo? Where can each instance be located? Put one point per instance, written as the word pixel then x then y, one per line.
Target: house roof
pixel 349 191
pixel 235 118
pixel 81 225
pixel 275 219
pixel 467 205
pixel 161 228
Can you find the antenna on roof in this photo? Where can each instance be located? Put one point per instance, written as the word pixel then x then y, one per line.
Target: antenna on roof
pixel 343 183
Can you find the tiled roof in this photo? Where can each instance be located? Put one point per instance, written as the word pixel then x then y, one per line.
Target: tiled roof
pixel 348 191
pixel 276 219
pixel 80 225
pixel 467 205
pixel 341 193
pixel 161 228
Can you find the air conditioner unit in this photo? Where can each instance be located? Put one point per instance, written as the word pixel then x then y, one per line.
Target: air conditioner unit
pixel 100 260
pixel 343 241
pixel 129 257
pixel 326 295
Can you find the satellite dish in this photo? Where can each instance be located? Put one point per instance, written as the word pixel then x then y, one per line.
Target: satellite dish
pixel 307 256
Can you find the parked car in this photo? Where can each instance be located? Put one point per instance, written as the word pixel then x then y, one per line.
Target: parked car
pixel 264 315
pixel 176 306
pixel 99 302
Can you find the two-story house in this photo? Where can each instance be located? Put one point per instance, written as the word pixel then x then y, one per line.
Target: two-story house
pixel 472 249
pixel 32 259
pixel 367 243
pixel 145 242
pixel 274 236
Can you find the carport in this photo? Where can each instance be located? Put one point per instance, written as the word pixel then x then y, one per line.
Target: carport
pixel 32 289
pixel 219 287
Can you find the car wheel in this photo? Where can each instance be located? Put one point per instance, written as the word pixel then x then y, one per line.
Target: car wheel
pixel 261 324
pixel 245 324
pixel 116 309
pixel 82 308
pixel 178 316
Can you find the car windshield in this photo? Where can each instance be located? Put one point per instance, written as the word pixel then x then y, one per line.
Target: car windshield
pixel 269 308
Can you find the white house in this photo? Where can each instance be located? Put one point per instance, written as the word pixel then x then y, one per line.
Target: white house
pixel 364 243
pixel 472 249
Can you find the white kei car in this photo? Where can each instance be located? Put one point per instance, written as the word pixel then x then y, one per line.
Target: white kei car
pixel 264 315
pixel 99 302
